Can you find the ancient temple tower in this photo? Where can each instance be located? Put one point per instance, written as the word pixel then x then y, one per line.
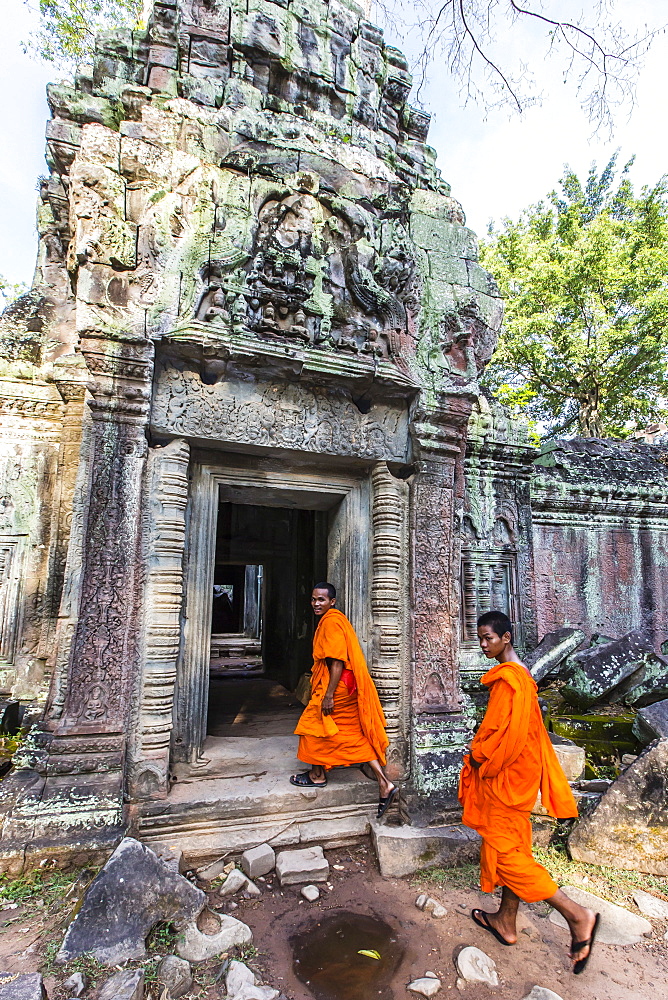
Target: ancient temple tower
pixel 254 292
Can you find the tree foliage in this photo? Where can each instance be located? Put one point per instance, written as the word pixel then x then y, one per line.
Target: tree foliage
pixel 585 279
pixel 67 28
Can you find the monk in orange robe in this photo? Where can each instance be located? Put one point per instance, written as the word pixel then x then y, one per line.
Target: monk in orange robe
pixel 343 723
pixel 510 760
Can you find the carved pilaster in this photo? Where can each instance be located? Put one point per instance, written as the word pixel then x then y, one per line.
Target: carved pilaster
pixel 390 654
pixel 167 496
pixel 78 798
pixel 439 725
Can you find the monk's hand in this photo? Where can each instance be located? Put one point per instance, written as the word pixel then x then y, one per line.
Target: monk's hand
pixel 328 704
pixel 473 762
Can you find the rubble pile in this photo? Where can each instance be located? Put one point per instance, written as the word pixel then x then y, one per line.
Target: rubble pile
pixel 611 698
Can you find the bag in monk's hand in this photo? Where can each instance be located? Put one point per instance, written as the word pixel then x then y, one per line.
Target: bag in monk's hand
pixel 303 689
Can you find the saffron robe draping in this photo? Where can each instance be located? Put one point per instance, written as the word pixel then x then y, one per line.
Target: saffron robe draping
pixel 355 731
pixel 516 761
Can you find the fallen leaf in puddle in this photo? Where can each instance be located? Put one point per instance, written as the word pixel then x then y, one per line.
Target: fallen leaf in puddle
pixel 370 954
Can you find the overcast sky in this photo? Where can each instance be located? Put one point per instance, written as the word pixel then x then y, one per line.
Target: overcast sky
pixel 497 164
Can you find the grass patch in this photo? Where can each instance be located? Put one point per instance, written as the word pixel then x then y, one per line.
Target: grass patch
pixel 40 887
pixel 611 883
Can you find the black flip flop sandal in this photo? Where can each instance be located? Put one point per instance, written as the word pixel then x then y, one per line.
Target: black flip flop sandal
pixel 486 926
pixel 386 801
pixel 304 780
pixel 577 946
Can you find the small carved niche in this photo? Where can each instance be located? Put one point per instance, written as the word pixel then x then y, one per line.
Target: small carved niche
pixel 488 578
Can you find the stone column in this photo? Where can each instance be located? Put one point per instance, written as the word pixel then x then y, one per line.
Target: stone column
pixel 76 795
pixel 440 729
pixel 389 607
pixel 166 500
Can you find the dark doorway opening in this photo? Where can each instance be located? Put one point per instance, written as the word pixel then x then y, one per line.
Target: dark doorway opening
pixel 267 559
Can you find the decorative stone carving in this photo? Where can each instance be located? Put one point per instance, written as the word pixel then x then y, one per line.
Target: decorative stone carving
pixel 166 499
pixel 389 599
pixel 277 415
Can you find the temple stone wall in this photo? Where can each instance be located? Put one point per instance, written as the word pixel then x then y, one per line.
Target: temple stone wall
pixel 600 537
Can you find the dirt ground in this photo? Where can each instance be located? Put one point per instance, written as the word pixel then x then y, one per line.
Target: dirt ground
pixel 31 933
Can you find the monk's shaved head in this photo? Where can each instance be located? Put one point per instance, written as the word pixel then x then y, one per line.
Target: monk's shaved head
pixel 498 622
pixel 329 587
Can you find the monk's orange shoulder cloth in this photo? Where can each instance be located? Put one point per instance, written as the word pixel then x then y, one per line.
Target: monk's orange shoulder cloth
pixel 335 638
pixel 515 754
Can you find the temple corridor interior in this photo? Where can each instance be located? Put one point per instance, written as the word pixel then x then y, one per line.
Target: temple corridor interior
pixel 267 559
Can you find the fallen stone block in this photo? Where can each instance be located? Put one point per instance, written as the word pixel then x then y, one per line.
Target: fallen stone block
pixel 425 987
pixel 310 893
pixel 126 985
pixel 235 881
pixel 475 966
pixel 241 984
pixel 258 861
pixel 16 986
pixel 544 661
pixel 617 925
pixel 307 865
pixel 650 905
pixel 75 985
pixel 542 993
pixel 196 946
pixel 651 722
pixel 605 673
pixel 171 857
pixel 570 756
pixel 174 975
pixel 402 850
pixel 652 685
pixel 209 872
pixel 134 891
pixel 627 829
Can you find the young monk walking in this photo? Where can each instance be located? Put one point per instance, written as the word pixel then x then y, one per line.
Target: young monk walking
pixel 343 723
pixel 510 760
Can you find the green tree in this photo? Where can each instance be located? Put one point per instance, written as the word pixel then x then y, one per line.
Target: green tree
pixel 585 279
pixel 67 28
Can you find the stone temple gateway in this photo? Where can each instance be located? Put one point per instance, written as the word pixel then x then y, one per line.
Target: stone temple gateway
pixel 250 360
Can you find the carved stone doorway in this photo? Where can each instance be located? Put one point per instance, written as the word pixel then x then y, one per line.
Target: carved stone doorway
pixel 292 527
pixel 252 677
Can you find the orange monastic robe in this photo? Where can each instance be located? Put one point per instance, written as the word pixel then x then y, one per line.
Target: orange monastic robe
pixel 355 731
pixel 517 760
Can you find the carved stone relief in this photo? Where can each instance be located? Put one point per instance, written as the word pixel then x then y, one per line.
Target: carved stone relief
pixel 277 415
pixel 166 497
pixel 389 607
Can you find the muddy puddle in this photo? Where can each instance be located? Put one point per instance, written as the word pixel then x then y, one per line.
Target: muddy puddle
pixel 327 958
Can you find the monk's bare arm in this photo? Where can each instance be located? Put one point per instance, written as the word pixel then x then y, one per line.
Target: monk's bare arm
pixel 335 671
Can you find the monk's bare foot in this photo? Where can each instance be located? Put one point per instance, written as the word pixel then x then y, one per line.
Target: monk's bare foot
pixel 318 776
pixel 581 927
pixel 506 928
pixel 385 787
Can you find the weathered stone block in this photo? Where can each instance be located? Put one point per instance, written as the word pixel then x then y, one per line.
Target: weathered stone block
pixel 127 985
pixel 570 756
pixel 134 891
pixel 653 684
pixel 196 946
pixel 258 860
pixel 308 865
pixel 628 829
pixel 15 986
pixel 402 850
pixel 601 674
pixel 651 722
pixel 449 238
pixel 174 975
pixel 551 651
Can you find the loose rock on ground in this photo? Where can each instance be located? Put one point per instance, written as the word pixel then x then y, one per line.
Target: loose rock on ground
pixel 196 946
pixel 14 986
pixel 307 865
pixel 173 973
pixel 127 985
pixel 650 905
pixel 426 987
pixel 542 993
pixel 475 966
pixel 258 861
